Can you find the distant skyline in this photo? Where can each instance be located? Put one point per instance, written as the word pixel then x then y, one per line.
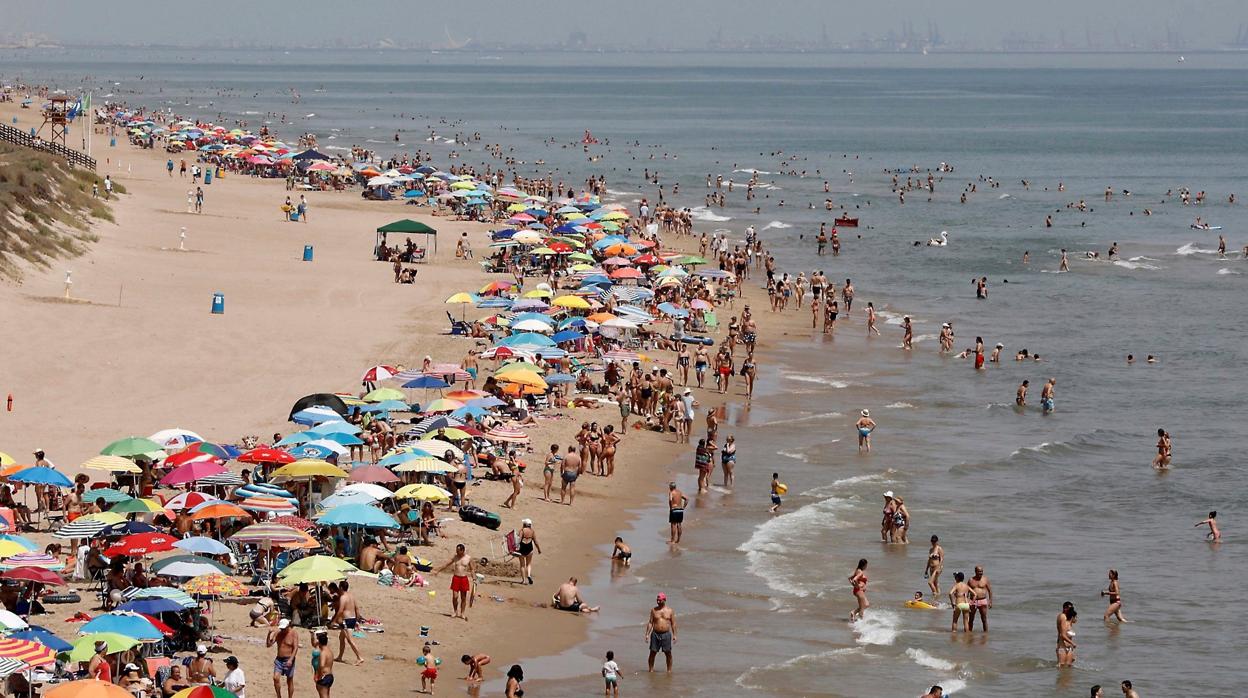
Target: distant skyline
pixel 693 24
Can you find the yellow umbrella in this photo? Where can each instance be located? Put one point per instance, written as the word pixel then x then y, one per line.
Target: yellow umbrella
pixel 448 432
pixel 112 464
pixel 461 297
pixel 575 302
pixel 9 548
pixel 519 366
pixel 572 216
pixel 523 377
pixel 6 459
pixel 615 216
pixel 517 208
pixel 309 468
pixel 538 293
pixel 430 493
pixel 463 184
pixel 422 465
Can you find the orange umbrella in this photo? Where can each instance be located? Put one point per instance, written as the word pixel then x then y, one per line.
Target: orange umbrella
pixel 88 688
pixel 220 510
pixel 13 469
pixel 600 317
pixel 516 389
pixel 463 395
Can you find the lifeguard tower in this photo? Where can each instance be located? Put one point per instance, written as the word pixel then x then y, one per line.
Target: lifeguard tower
pixel 56 118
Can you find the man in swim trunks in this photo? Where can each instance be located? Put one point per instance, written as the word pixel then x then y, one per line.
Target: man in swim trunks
pixel 570 470
pixel 982 600
pixel 568 598
pixel 347 617
pixel 960 599
pixel 287 642
pixel 1046 395
pixel 676 503
pixel 1020 398
pixel 661 632
pixel 462 567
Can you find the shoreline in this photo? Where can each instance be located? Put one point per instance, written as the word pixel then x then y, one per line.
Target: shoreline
pixel 131 255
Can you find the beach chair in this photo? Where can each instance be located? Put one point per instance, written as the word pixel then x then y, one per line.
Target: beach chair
pixel 458 327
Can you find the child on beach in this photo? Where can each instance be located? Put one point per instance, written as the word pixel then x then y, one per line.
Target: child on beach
pixel 429 675
pixel 1214 534
pixel 777 489
pixel 611 676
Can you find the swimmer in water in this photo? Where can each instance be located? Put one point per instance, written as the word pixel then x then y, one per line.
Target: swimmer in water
pixel 1065 263
pixel 1020 398
pixel 1214 534
pixel 858 582
pixel 960 600
pixel 1115 599
pixel 1162 459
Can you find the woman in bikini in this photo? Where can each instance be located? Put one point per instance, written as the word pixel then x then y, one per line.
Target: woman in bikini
pixel 525 545
pixel 749 370
pixel 901 521
pixel 609 441
pixel 935 563
pixel 1115 598
pixel 858 583
pixel 728 460
pixel 582 438
pixel 886 522
pixel 594 438
pixel 551 464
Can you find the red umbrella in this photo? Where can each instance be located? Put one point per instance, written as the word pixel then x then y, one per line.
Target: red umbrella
pixel 626 273
pixel 259 456
pixel 195 470
pixel 372 473
pixel 186 455
pixel 188 500
pixel 560 247
pixel 380 372
pixel 294 522
pixel 141 544
pixel 34 574
pixel 647 258
pixel 156 623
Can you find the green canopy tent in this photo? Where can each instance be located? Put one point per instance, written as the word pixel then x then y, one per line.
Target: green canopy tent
pixel 405 227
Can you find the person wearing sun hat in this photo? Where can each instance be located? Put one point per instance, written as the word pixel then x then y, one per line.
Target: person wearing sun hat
pixel 865 426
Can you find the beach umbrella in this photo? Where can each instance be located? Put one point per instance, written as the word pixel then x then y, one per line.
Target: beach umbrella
pixel 452 433
pixel 427 382
pixel 263 489
pixel 126 528
pixel 262 456
pixel 340 438
pixel 112 464
pixel 202 545
pixel 132 446
pixel 152 606
pixel 214 585
pixel 137 506
pixel 308 469
pixel 175 439
pixel 84 649
pixel 34 574
pixel 108 494
pixel 218 510
pixel 175 595
pixel 86 526
pixel 486 402
pixel 225 479
pixel 470 411
pixel 573 302
pixel 9 548
pixel 124 623
pixel 338 499
pixel 315 569
pixel 567 336
pixel 336 426
pixel 380 372
pixel 423 464
pixel 299 437
pixel 428 493
pixel 357 515
pixel 531 325
pixel 519 366
pixel 220 451
pixel 384 394
pixel 527 339
pixel 34 633
pixel 436 449
pixel 524 378
pixel 442 405
pixel 41 475
pixel 11 621
pixel 203 692
pixel 321 449
pixel 188 566
pixel 508 435
pixel 559 378
pixel 269 533
pixel 20 540
pixel 315 415
pixel 189 500
pixel 141 544
pixel 269 505
pixel 6 459
pixel 372 473
pixel 323 400
pixel 195 470
pixel 32 559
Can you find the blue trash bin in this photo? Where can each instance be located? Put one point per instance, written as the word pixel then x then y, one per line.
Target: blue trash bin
pixel 112 142
pixel 218 303
pixel 307 253
pixel 207 175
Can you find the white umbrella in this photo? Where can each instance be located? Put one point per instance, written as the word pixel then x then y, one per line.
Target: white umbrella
pixel 531 325
pixel 372 490
pixel 175 439
pixel 620 323
pixel 380 182
pixel 329 444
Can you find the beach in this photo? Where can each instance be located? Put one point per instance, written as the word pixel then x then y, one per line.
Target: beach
pixel 1046 502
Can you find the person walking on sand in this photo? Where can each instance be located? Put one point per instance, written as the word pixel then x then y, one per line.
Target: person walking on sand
pixel 611 676
pixel 462 567
pixel 661 632
pixel 858 585
pixel 1215 533
pixel 865 425
pixel 549 466
pixel 347 617
pixel 287 642
pixel 322 664
pixel 1162 459
pixel 526 545
pixel 676 503
pixel 1114 592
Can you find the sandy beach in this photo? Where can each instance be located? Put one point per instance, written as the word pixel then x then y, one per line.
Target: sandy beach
pixel 135 349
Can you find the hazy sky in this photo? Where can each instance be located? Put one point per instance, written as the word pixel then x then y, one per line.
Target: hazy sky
pixel 984 22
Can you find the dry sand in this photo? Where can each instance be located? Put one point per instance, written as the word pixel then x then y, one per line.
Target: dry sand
pixel 137 350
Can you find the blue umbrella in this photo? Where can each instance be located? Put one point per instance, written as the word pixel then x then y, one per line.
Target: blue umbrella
pixel 427 382
pixel 474 410
pixel 394 406
pixel 311 451
pixel 595 280
pixel 40 475
pixel 557 378
pixel 413 194
pixel 152 606
pixel 335 427
pixel 44 637
pixel 494 302
pixel 357 515
pixel 572 322
pixel 344 439
pixel 122 623
pixel 202 545
pixel 339 499
pixel 489 401
pixel 567 336
pixel 301 437
pixel 127 528
pixel 263 489
pixel 519 317
pixel 527 338
pixel 315 415
pixel 504 234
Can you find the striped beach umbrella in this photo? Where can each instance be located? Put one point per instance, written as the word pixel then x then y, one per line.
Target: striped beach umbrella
pixel 214 585
pixel 32 559
pixel 225 479
pixel 87 526
pixel 380 372
pixel 11 666
pixel 423 464
pixel 263 489
pixel 108 494
pixel 189 500
pixel 295 522
pixel 264 533
pixel 507 434
pixel 112 464
pixel 268 505
pixel 26 651
pixel 136 506
pixel 176 595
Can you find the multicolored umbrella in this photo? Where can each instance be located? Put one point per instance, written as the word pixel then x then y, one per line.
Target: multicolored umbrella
pixel 175 595
pixel 137 506
pixel 84 649
pixel 204 692
pixel 380 372
pixel 214 585
pixel 309 469
pixel 124 623
pixel 87 526
pixel 268 505
pixel 268 533
pixel 507 434
pixel 26 651
pixel 188 566
pixel 189 500
pixel 32 559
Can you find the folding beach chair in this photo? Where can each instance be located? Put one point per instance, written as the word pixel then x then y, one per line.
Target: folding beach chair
pixel 458 327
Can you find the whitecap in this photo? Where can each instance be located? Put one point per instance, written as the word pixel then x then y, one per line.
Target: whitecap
pixel 821 380
pixel 743 680
pixel 702 213
pixel 899 406
pixel 877 627
pixel 924 659
pixel 776 225
pixel 1225 271
pixel 769 558
pixel 1135 265
pixel 753 171
pixel 1191 249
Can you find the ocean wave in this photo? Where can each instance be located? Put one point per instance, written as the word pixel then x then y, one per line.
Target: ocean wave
pixel 837 486
pixel 877 627
pixel 821 380
pixel 804 418
pixel 952 686
pixel 899 406
pixel 1142 258
pixel 776 225
pixel 1191 249
pixel 744 680
pixel 1135 265
pixel 335 147
pixel 752 171
pixel 794 456
pixel 769 557
pixel 924 659
pixel 891 318
pixel 702 213
pixel 1225 271
pixel 923 338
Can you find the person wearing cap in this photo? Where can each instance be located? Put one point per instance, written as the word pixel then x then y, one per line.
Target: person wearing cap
pixel 133 682
pixel 996 353
pixel 287 643
pixel 201 670
pixel 235 680
pixel 661 631
pixel 865 426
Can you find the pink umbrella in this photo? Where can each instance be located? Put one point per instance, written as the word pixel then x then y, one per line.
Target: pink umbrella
pixel 260 160
pixel 699 304
pixel 372 473
pixel 195 470
pixel 321 166
pixel 616 261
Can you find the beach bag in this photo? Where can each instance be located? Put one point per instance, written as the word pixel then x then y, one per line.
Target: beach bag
pixel 480 517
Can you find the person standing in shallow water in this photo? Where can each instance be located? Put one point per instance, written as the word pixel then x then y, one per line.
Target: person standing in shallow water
pixel 1162 459
pixel 1114 592
pixel 858 585
pixel 865 426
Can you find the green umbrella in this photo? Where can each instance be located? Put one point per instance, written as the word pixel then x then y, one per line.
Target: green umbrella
pixel 581 257
pixel 317 568
pixel 108 494
pixel 689 259
pixel 383 394
pixel 84 648
pixel 132 446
